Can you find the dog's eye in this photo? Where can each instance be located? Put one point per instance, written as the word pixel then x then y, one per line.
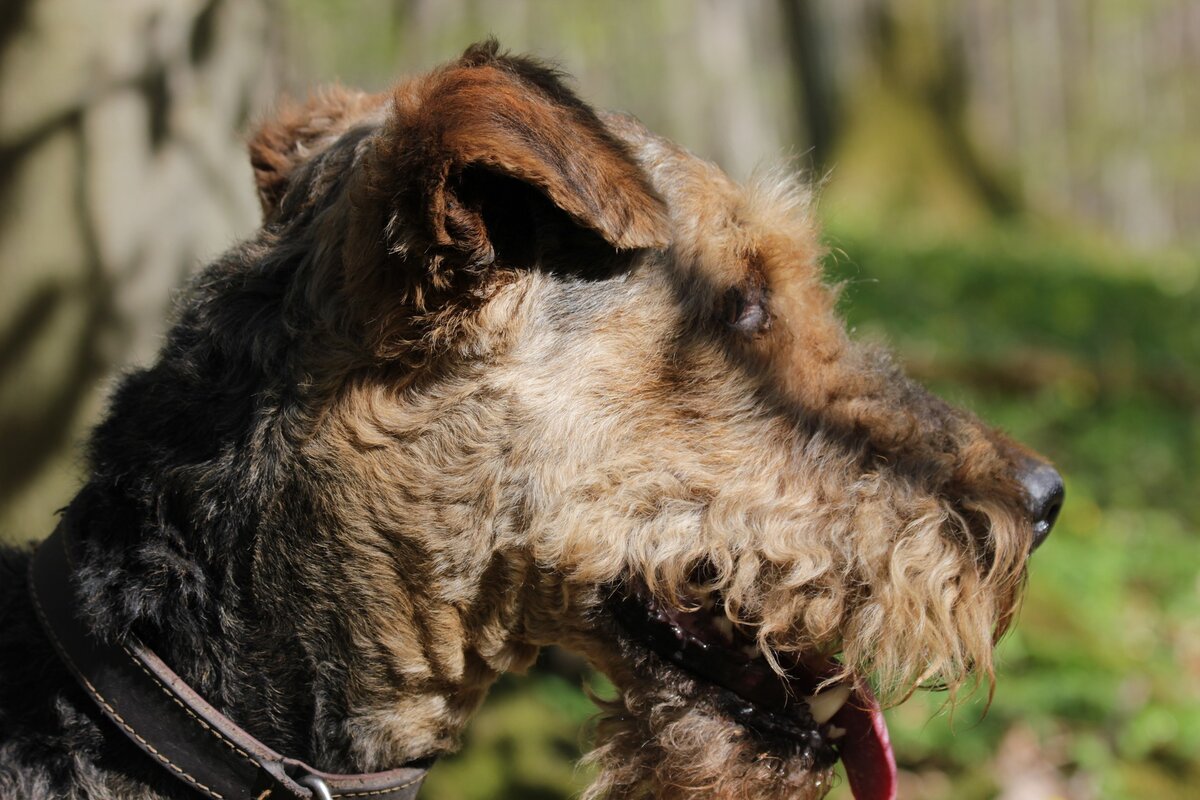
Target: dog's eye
pixel 744 308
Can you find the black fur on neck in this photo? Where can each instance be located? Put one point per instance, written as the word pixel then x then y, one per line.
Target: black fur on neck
pixel 195 527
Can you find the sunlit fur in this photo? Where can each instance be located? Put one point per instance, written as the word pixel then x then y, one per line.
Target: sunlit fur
pixel 426 458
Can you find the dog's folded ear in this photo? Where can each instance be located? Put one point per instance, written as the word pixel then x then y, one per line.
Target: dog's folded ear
pixel 463 137
pixel 295 131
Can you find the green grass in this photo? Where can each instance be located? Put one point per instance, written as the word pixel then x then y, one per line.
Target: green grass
pixel 1094 360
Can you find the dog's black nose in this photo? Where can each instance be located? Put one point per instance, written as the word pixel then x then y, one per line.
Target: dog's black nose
pixel 1044 487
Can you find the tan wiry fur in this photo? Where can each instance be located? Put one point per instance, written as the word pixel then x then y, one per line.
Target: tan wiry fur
pixel 499 445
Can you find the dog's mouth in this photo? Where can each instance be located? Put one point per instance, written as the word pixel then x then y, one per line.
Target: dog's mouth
pixel 823 720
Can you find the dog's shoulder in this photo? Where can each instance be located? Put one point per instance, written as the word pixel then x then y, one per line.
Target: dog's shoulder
pixel 35 741
pixel 51 744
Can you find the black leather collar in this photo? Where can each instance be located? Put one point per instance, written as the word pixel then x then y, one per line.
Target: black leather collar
pixel 172 724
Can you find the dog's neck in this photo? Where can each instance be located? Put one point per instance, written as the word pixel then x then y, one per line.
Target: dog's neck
pixel 326 615
pixel 286 631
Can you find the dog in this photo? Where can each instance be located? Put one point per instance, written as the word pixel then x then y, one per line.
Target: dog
pixel 500 371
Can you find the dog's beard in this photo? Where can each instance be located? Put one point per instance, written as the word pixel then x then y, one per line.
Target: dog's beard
pixel 670 735
pixel 907 590
pixel 704 712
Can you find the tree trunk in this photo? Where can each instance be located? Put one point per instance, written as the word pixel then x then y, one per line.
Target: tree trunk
pixel 122 168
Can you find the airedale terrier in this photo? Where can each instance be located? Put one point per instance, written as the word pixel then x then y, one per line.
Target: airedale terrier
pixel 499 372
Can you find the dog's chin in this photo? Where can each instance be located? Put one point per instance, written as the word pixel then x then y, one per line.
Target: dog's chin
pixel 702 713
pixel 671 735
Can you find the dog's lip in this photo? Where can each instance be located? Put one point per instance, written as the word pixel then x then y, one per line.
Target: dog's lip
pixel 829 717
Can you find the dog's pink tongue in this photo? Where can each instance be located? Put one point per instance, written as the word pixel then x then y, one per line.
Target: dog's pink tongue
pixel 866 749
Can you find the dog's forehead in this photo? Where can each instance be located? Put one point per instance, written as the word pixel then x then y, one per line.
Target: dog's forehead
pixel 724 230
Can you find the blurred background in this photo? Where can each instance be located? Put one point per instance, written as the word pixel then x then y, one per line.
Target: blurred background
pixel 1011 191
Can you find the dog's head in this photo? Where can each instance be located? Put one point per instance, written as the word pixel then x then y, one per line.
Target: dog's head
pixel 515 373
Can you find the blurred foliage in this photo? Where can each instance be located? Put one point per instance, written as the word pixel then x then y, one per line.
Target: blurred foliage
pixel 525 743
pixel 1095 360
